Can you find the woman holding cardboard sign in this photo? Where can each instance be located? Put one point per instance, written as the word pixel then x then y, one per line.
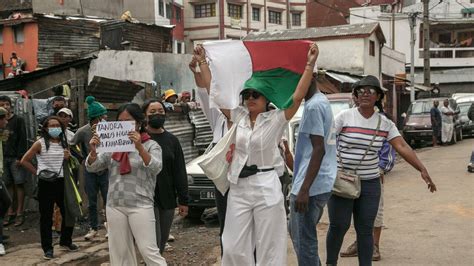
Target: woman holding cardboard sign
pixel 132 179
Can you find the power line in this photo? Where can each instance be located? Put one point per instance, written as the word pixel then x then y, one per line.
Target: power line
pixel 440 1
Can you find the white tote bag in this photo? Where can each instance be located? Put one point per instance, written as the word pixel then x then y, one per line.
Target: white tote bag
pixel 215 165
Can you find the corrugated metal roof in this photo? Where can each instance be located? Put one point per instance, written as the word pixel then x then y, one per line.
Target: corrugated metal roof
pixel 203 131
pixel 348 31
pixel 122 35
pixel 342 78
pixel 112 91
pixel 179 125
pixel 325 85
pixel 62 40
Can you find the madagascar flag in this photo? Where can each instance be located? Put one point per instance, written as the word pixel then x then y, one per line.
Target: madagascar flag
pixel 272 68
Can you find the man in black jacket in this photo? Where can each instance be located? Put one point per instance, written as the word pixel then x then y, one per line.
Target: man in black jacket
pixel 15 144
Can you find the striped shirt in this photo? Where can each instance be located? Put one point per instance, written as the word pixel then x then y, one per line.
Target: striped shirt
pixel 355 133
pixel 51 159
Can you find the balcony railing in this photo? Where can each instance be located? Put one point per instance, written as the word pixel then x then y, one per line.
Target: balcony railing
pixel 451 53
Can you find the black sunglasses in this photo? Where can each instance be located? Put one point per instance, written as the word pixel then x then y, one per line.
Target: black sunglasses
pixel 255 94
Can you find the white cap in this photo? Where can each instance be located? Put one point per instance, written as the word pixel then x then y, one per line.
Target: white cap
pixel 66 111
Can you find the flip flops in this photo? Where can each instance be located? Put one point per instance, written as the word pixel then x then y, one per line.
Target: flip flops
pixel 9 219
pixel 20 220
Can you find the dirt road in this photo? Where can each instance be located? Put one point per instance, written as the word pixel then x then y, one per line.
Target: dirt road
pixel 421 228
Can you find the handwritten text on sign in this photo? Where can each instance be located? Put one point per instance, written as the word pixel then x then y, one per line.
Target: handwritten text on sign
pixel 114 136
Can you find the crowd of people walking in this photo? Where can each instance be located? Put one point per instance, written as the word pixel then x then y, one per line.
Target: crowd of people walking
pixel 339 162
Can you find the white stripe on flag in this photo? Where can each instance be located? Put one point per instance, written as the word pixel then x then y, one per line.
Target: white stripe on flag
pixel 231 66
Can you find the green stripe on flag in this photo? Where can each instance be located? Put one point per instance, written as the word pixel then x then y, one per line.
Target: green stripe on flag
pixel 277 85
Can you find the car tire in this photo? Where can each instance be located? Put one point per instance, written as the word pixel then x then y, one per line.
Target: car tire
pixel 195 212
pixel 286 195
pixel 460 137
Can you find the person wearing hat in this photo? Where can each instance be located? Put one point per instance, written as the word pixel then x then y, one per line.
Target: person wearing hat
pixel 5 200
pixel 170 97
pixel 362 131
pixel 94 182
pixel 387 158
pixel 66 116
pixel 256 217
pixel 185 96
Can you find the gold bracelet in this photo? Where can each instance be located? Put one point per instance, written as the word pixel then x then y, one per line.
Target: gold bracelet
pixel 203 62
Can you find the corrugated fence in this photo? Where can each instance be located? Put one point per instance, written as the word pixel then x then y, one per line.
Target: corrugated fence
pixel 192 130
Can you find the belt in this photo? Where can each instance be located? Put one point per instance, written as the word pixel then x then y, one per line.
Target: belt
pixel 252 170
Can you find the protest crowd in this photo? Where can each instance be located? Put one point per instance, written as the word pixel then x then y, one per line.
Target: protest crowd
pixel 138 167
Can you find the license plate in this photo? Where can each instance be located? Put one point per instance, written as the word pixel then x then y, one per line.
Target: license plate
pixel 424 134
pixel 208 195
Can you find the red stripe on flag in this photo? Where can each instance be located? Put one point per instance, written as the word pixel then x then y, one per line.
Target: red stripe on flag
pixel 364 131
pixel 290 55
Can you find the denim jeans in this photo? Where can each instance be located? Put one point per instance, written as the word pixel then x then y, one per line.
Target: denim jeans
pixel 95 183
pixel 302 228
pixel 364 210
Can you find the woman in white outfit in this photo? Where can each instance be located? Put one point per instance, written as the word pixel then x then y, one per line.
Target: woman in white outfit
pixel 132 180
pixel 255 217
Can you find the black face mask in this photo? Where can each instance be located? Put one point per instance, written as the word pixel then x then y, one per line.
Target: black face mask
pixel 156 121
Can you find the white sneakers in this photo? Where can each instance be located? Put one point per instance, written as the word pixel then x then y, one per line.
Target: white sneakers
pixel 2 250
pixel 90 235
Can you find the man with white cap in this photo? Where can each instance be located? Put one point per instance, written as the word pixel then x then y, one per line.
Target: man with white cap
pixel 66 116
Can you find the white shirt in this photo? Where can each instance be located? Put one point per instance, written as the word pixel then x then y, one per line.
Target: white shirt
pixel 257 146
pixel 69 136
pixel 216 118
pixel 448 119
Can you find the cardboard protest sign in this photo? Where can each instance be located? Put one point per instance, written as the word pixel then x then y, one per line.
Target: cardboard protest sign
pixel 114 136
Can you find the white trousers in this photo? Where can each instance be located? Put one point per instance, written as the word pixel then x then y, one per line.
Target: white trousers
pixel 255 220
pixel 446 132
pixel 126 225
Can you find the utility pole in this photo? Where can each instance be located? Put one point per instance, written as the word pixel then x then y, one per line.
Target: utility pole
pixel 288 15
pixel 412 21
pixel 426 43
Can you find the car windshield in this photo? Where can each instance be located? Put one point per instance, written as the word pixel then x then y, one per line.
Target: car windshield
pixel 338 106
pixel 420 107
pixel 464 107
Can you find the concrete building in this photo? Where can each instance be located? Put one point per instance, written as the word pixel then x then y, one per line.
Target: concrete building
pixel 354 49
pixel 167 70
pixel 234 19
pixel 451 35
pixel 348 52
pixel 158 12
pixel 323 13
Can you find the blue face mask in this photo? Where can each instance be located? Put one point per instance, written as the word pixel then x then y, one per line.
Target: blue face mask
pixel 54 132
